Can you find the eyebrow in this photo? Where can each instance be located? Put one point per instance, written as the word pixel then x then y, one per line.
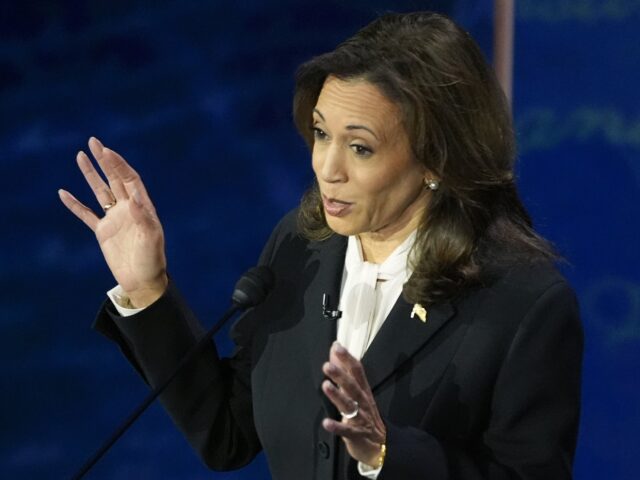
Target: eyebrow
pixel 349 127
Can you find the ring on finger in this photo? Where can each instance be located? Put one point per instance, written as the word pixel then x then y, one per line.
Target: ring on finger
pixel 353 413
pixel 109 205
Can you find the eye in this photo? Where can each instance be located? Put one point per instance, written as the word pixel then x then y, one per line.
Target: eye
pixel 318 133
pixel 361 150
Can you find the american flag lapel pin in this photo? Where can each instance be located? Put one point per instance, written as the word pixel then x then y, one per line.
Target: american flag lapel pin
pixel 420 311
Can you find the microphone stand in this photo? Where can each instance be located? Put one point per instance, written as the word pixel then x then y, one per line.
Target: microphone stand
pixel 190 355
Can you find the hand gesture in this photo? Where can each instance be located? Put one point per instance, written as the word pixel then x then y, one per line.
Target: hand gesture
pixel 129 234
pixel 361 427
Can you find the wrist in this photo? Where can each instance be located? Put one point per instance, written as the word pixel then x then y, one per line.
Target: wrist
pixel 145 296
pixel 376 461
pixel 381 456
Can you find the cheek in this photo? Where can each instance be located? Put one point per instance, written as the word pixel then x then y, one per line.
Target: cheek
pixel 378 188
pixel 387 197
pixel 377 200
pixel 316 161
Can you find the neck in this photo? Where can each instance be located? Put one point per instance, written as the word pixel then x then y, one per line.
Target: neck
pixel 379 245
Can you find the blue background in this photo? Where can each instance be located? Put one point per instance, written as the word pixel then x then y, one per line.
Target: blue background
pixel 197 96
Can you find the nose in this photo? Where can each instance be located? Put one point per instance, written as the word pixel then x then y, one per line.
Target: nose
pixel 331 165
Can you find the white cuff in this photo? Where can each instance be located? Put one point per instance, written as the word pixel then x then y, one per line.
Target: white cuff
pixel 118 298
pixel 367 471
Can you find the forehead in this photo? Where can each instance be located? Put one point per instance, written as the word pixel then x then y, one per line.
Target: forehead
pixel 357 100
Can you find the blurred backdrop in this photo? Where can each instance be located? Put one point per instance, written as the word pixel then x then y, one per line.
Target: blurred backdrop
pixel 197 96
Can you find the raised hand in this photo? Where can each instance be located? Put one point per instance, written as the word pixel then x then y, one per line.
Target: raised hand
pixel 129 234
pixel 361 427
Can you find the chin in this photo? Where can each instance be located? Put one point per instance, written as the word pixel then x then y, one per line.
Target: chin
pixel 342 226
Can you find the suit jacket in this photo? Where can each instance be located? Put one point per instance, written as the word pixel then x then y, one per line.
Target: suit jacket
pixel 487 388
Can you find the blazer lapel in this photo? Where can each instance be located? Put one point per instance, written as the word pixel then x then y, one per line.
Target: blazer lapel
pixel 321 331
pixel 400 337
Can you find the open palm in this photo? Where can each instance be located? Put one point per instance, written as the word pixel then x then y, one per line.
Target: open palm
pixel 129 234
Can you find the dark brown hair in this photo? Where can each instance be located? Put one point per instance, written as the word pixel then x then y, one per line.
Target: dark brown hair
pixel 459 126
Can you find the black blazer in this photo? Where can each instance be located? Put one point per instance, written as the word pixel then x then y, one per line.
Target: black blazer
pixel 487 388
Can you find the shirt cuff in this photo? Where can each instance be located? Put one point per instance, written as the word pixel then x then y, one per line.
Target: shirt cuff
pixel 119 298
pixel 368 472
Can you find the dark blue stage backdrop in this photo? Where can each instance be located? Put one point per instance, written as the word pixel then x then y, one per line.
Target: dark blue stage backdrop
pixel 197 95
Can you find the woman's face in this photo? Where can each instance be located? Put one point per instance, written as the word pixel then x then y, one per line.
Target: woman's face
pixel 368 177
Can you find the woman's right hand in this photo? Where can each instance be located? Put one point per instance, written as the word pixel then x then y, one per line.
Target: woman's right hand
pixel 129 234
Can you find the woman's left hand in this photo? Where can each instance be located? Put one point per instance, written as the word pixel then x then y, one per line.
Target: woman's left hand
pixel 365 432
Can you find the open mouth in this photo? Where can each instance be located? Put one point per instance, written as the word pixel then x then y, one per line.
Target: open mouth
pixel 335 207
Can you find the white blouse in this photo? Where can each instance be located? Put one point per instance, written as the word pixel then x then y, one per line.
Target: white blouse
pixel 369 291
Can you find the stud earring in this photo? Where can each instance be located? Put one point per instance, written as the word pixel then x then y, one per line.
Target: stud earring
pixel 431 184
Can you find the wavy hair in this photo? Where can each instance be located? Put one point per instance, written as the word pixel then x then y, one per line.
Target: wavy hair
pixel 459 127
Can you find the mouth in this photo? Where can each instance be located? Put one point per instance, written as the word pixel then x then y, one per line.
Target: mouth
pixel 335 207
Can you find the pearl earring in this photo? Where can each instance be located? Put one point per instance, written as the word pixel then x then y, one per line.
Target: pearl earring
pixel 431 184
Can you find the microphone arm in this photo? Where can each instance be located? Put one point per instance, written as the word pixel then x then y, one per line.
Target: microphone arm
pixel 250 290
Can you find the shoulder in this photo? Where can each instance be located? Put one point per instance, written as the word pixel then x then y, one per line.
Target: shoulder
pixel 288 252
pixel 522 314
pixel 521 294
pixel 287 243
pixel 525 280
pixel 286 230
pixel 534 280
pixel 288 224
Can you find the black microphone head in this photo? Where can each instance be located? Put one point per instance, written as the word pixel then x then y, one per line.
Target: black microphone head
pixel 253 287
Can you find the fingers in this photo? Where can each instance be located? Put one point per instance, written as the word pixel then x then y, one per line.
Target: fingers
pixel 123 179
pixel 347 394
pixel 99 187
pixel 348 430
pixel 124 184
pixel 361 427
pixel 79 210
pixel 104 158
pixel 345 383
pixel 341 357
pixel 130 179
pixel 342 402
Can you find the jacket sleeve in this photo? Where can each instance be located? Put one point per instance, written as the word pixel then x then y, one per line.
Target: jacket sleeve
pixel 210 401
pixel 532 429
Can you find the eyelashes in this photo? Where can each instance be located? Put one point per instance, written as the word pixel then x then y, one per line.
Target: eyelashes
pixel 318 133
pixel 359 149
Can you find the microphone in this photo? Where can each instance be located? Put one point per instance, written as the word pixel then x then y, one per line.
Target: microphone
pixel 250 290
pixel 253 287
pixel 327 313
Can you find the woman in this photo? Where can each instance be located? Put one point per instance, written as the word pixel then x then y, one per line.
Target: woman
pixel 458 344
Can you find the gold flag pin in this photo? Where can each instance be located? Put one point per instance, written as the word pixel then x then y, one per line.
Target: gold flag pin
pixel 420 311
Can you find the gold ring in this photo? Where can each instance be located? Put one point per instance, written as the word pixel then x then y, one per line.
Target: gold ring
pixel 108 206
